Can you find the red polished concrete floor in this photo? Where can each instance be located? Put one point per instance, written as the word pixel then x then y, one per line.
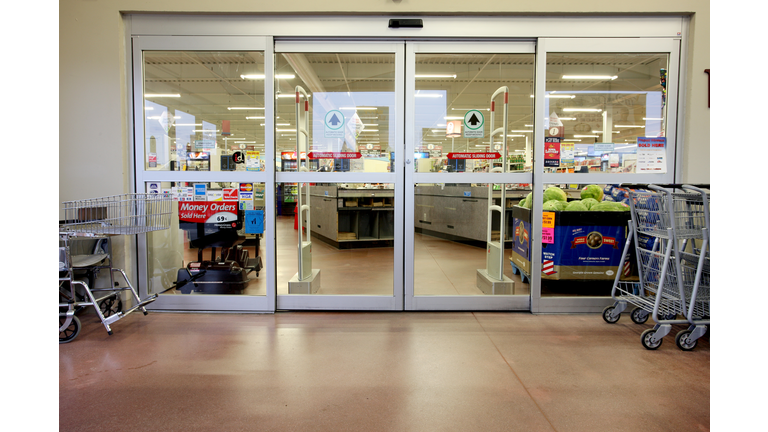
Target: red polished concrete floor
pixel 326 371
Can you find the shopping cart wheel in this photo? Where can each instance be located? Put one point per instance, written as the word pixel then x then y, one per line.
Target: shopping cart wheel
pixel 646 339
pixel 639 316
pixel 69 333
pixel 608 317
pixel 683 342
pixel 110 306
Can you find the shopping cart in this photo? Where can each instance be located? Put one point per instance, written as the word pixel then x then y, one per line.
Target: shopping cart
pixel 675 217
pixel 93 222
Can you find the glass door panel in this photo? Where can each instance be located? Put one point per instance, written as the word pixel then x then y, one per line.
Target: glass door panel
pixel 338 128
pixel 471 138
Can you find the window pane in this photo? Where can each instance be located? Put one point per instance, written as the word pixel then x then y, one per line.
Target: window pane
pixel 453 118
pixel 202 107
pixel 606 113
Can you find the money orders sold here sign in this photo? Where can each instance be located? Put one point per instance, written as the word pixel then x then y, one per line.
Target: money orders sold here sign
pixel 208 211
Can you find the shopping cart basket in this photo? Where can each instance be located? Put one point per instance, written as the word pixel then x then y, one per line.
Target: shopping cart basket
pixel 673 216
pixel 98 219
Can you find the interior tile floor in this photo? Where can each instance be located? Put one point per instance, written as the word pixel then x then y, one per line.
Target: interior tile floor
pixel 398 371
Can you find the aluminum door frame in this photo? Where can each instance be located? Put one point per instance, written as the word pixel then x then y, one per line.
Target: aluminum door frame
pixel 208 302
pixel 670 46
pixel 356 302
pixel 478 302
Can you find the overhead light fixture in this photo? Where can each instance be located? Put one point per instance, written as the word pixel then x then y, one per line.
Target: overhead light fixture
pixel 371 124
pixel 652 119
pixel 146 108
pixel 286 130
pixel 587 136
pixel 515 136
pixel 369 130
pixel 158 95
pixel 559 96
pixel 437 130
pixel 630 126
pixel 528 125
pixel 527 131
pixel 436 76
pixel 595 77
pixel 259 118
pixel 232 138
pixel 453 118
pixel 582 110
pixel 562 118
pixel 206 130
pixel 595 131
pixel 571 139
pixel 261 76
pixel 290 95
pixel 623 147
pixel 245 142
pixel 245 108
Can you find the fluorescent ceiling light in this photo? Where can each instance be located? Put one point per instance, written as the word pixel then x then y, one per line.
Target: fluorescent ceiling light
pixel 436 76
pixel 290 95
pixel 371 124
pixel 527 131
pixel 437 130
pixel 370 130
pixel 569 140
pixel 582 110
pixel 652 119
pixel 259 118
pixel 261 76
pixel 594 131
pixel 206 130
pixel 245 142
pixel 151 108
pixel 596 77
pixel 232 138
pixel 630 126
pixel 562 118
pixel 157 95
pixel 528 125
pixel 559 96
pixel 587 136
pixel 286 130
pixel 453 118
pixel 359 108
pixel 245 108
pixel 623 147
pixel 515 136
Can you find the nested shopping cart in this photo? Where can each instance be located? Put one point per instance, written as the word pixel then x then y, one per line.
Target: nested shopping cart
pixel 92 222
pixel 673 267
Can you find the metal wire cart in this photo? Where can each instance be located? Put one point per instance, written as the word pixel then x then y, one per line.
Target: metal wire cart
pixel 85 249
pixel 670 231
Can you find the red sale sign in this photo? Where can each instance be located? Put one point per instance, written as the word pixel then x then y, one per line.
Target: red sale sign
pixel 207 211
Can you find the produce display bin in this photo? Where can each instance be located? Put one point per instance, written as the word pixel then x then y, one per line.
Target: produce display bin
pixel 587 245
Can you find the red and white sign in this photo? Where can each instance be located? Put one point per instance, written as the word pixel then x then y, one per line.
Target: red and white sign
pixel 494 155
pixel 208 211
pixel 335 155
pixel 230 194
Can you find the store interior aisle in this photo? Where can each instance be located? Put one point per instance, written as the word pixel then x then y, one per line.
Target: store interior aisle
pixel 365 371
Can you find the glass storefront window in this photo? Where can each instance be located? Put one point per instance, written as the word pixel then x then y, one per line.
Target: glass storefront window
pixel 214 244
pixel 202 107
pixel 606 113
pixel 349 115
pixel 454 124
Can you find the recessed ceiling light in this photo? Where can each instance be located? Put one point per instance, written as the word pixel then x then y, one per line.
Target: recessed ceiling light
pixel 595 77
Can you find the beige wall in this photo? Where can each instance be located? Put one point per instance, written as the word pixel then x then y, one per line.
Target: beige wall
pixel 93 88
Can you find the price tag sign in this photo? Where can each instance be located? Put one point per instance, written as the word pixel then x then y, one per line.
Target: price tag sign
pixel 548 227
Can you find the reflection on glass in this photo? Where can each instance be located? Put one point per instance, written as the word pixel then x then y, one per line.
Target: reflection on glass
pixel 200 109
pixel 350 229
pixel 606 113
pixel 452 239
pixel 453 120
pixel 351 111
pixel 214 243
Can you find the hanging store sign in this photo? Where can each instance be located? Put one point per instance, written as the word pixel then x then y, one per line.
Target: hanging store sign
pixel 552 151
pixel 208 212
